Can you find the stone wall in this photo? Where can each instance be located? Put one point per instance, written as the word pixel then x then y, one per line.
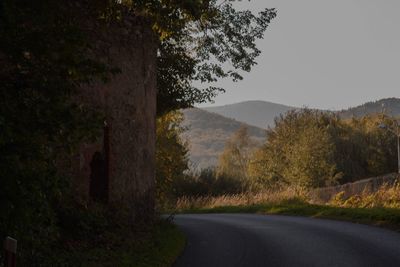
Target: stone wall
pixel 128 101
pixel 351 189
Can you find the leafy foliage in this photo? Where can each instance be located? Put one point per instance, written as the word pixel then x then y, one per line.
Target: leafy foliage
pixel 44 59
pixel 298 151
pixel 171 154
pixel 198 41
pixel 230 176
pixel 207 183
pixel 313 149
pixel 234 160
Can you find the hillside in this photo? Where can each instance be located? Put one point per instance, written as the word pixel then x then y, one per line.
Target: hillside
pixel 208 132
pixel 261 113
pixel 390 106
pixel 257 113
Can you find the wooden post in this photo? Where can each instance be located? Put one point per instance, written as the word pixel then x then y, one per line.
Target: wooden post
pixel 10 252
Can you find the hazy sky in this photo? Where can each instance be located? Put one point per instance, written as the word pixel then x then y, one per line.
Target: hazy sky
pixel 328 54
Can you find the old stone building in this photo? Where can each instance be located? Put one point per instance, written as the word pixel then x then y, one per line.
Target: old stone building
pixel 119 167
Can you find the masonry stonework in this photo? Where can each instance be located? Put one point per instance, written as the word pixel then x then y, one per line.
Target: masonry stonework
pixel 128 101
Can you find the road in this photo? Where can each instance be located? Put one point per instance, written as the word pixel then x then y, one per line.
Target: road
pixel 270 240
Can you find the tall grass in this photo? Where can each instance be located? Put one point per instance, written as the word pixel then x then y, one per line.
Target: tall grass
pixel 243 199
pixel 387 196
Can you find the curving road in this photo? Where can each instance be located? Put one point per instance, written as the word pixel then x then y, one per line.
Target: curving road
pixel 267 240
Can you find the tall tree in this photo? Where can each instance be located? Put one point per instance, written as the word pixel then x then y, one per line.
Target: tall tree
pixel 311 159
pixel 199 40
pixel 171 155
pixel 234 160
pixel 298 151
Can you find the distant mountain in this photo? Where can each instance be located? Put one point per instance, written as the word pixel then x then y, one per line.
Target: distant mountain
pixel 208 132
pixel 257 113
pixel 262 113
pixel 390 106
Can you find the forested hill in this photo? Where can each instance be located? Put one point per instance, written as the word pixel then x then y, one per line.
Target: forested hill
pixel 207 133
pixel 390 106
pixel 256 113
pixel 262 113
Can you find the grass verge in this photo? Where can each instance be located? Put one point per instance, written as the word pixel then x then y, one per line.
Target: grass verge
pixel 384 217
pixel 161 248
pixel 101 236
pixel 159 245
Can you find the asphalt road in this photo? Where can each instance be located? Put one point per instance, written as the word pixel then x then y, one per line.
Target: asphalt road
pixel 267 240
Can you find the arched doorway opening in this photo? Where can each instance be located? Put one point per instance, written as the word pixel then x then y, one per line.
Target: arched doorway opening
pixel 99 171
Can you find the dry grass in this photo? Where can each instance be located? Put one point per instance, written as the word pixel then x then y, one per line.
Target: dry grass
pixel 243 199
pixel 380 208
pixel 387 196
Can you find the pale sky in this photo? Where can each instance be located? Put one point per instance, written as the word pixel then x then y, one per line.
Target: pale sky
pixel 328 54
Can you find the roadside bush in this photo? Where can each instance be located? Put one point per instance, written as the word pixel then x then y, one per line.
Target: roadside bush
pixel 207 183
pixel 42 66
pixel 387 196
pixel 27 211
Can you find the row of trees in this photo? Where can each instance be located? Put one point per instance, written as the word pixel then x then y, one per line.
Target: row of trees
pixel 305 148
pixel 313 149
